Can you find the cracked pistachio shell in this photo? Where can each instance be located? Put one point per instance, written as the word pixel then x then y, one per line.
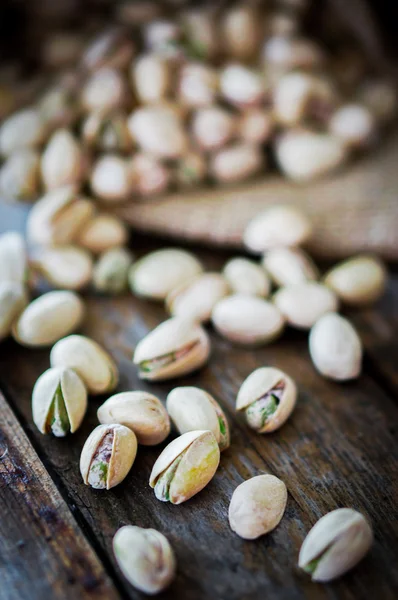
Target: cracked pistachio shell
pixel 197 455
pixel 257 506
pixel 358 281
pixel 304 303
pixel 66 417
pixel 237 162
pixel 191 169
pixel 196 298
pixel 13 257
pixel 247 319
pixel 111 48
pixel 49 318
pixel 119 455
pixel 145 558
pixel 20 175
pixel 141 412
pixel 247 277
pixel 13 300
pixel 335 348
pixel 23 129
pixel 150 175
pixel 107 131
pixel 288 266
pixel 102 233
pixel 335 544
pixel 65 267
pixel 105 90
pixel 191 409
pixel 160 272
pixel 63 161
pixel 175 347
pixel 202 31
pixel 111 179
pixel 91 362
pixel 257 385
pixel 58 107
pixel 277 226
pixel 110 274
pixel 158 131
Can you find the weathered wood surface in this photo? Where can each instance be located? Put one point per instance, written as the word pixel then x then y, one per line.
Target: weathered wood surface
pixel 338 449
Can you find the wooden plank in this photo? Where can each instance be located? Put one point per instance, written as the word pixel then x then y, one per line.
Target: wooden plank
pixel 43 553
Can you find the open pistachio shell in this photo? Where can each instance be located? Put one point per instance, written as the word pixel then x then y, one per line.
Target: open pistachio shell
pixel 13 300
pixel 185 466
pixel 111 271
pixel 176 347
pixel 23 129
pixel 101 233
pixel 13 257
pixel 196 298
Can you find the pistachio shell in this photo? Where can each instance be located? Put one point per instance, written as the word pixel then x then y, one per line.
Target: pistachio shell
pixel 237 162
pixel 111 179
pixel 20 175
pixel 141 412
pixel 111 271
pixel 192 409
pixel 105 90
pixel 241 32
pixel 66 267
pixel 196 298
pixel 23 129
pixel 191 169
pixel 107 131
pixel 358 281
pixel 159 131
pixel 13 257
pixel 13 299
pixel 59 107
pixel 353 124
pixel 246 277
pixel 111 48
pixel 120 456
pixel 101 233
pixel 304 303
pixel 63 162
pixel 90 361
pixel 201 30
pixel 197 85
pixel 151 77
pixel 73 396
pixel 49 318
pixel 256 125
pixel 288 266
pixel 176 347
pixel 150 175
pixel 198 455
pixel 213 127
pixel 277 226
pixel 241 86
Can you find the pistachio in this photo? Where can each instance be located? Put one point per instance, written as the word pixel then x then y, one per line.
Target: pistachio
pixel 247 320
pixel 213 127
pixel 107 131
pixel 237 162
pixel 110 274
pixel 241 86
pixel 201 30
pixel 246 277
pixel 288 266
pixel 145 558
pixel 176 347
pixel 65 267
pixel 241 31
pixel 102 233
pixel 257 506
pixel 59 107
pixel 277 226
pixel 358 281
pixel 23 129
pixel 105 90
pixel 196 298
pixel 158 273
pixel 380 97
pixel 13 258
pixel 111 179
pixel 335 348
pixel 353 124
pixel 256 126
pixel 58 217
pixel 197 85
pixel 191 169
pixel 185 466
pixel 151 77
pixel 62 162
pixel 335 544
pixel 149 174
pixel 49 318
pixel 59 402
pixel 163 37
pixel 107 456
pixel 20 175
pixel 267 398
pixel 91 362
pixel 283 54
pixel 304 303
pixel 141 412
pixel 111 48
pixel 193 409
pixel 13 299
pixel 158 130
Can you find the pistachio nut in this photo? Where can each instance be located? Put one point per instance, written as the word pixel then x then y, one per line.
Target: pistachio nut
pixel 163 37
pixel 59 402
pixel 49 318
pixel 257 506
pixel 304 303
pixel 13 299
pixel 201 30
pixel 107 456
pixel 358 281
pixel 158 273
pixel 237 162
pixel 353 124
pixel 58 217
pixel 198 85
pixel 151 77
pixel 241 86
pixel 241 32
pixel 145 558
pixel 284 53
pixel 102 233
pixel 141 412
pixel 288 266
pixel 158 131
pixel 191 169
pixel 105 90
pixel 196 298
pixel 107 131
pixel 63 162
pixel 65 267
pixel 13 257
pixel 246 277
pixel 335 348
pixel 192 409
pixel 267 398
pixel 185 466
pixel 381 98
pixel 213 127
pixel 91 362
pixel 335 544
pixel 277 226
pixel 111 179
pixel 256 125
pixel 20 175
pixel 23 129
pixel 111 48
pixel 150 175
pixel 59 107
pixel 247 320
pixel 110 274
pixel 175 347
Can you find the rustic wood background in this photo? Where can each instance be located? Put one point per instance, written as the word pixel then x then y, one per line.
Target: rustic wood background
pixel 338 449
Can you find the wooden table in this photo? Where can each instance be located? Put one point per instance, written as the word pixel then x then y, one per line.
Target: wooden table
pixel 338 449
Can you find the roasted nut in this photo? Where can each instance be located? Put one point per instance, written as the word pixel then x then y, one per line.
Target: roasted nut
pixel 241 31
pixel 110 49
pixel 213 127
pixel 185 466
pixel 242 86
pixel 20 175
pixel 247 320
pixel 107 131
pixel 149 174
pixel 59 402
pixel 65 267
pixel 59 107
pixel 111 179
pixel 197 85
pixel 105 90
pixel 257 506
pixel 267 398
pixel 13 258
pixel 246 277
pixel 13 299
pixel 158 273
pixel 151 78
pixel 288 266
pixel 277 226
pixel 23 129
pixel 102 233
pixel 335 348
pixel 237 162
pixel 48 318
pixel 193 409
pixel 303 304
pixel 196 298
pixel 91 362
pixel 107 456
pixel 358 281
pixel 191 169
pixel 353 124
pixel 158 130
pixel 335 544
pixel 176 347
pixel 110 274
pixel 145 558
pixel 200 28
pixel 255 126
pixel 141 412
pixel 63 162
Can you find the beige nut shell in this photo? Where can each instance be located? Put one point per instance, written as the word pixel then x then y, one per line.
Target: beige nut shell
pixel 304 303
pixel 358 281
pixel 196 298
